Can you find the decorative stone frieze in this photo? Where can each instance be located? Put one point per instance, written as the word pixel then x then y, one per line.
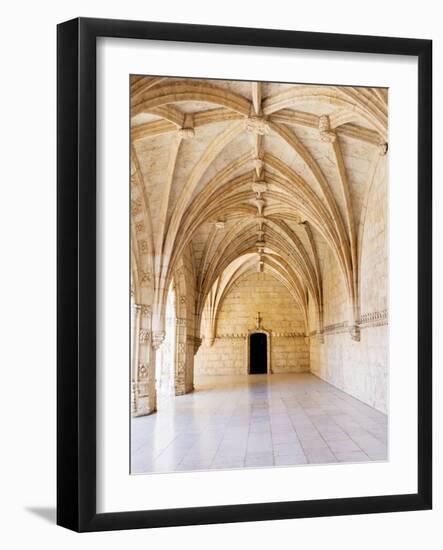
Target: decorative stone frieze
pixel 374 319
pixel 288 334
pixel 336 328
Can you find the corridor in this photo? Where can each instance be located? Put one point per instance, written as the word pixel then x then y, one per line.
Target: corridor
pixel 257 421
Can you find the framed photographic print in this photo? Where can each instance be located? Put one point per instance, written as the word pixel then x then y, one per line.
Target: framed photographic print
pixel 244 274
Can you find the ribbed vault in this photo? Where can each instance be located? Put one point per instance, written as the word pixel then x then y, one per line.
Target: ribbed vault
pixel 249 176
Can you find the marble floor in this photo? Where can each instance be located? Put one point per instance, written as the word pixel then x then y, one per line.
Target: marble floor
pixel 257 421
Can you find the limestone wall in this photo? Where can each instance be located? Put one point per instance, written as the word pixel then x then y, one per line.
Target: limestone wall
pixel 258 292
pixel 358 367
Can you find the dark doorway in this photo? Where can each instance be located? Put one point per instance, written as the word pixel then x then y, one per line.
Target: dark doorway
pixel 258 353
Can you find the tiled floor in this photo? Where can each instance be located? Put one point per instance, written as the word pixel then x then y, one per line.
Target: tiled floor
pixel 257 421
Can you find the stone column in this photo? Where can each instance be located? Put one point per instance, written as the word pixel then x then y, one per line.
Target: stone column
pixel 135 328
pixel 144 400
pixel 180 356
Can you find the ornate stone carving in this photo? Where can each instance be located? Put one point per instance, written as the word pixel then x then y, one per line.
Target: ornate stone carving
pixel 144 247
pixel 136 206
pixel 336 328
pixel 158 338
pixel 233 335
pixel 143 336
pixel 181 348
pixel 146 310
pixel 374 319
pixel 324 128
pixel 142 371
pixel 180 367
pixel 288 334
pixel 257 125
pixel 258 165
pixel 139 227
pixel 259 187
pixel 145 277
pixel 183 300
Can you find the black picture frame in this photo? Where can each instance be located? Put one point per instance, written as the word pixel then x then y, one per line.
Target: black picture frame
pixel 76 274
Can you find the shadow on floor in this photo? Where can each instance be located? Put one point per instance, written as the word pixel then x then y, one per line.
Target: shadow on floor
pixel 46 513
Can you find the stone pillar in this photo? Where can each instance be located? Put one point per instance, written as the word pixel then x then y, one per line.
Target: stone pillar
pixel 135 328
pixel 184 359
pixel 180 356
pixel 143 374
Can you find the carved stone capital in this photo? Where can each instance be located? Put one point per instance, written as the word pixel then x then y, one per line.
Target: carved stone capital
pixel 158 338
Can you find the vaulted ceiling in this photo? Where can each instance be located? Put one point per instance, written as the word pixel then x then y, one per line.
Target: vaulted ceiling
pixel 249 176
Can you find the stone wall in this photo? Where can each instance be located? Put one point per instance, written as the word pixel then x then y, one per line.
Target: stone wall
pixel 358 367
pixel 280 316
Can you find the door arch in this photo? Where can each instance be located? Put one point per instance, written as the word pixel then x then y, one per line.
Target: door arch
pixel 258 352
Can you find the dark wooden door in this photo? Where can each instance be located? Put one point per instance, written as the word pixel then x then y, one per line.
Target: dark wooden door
pixel 258 354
